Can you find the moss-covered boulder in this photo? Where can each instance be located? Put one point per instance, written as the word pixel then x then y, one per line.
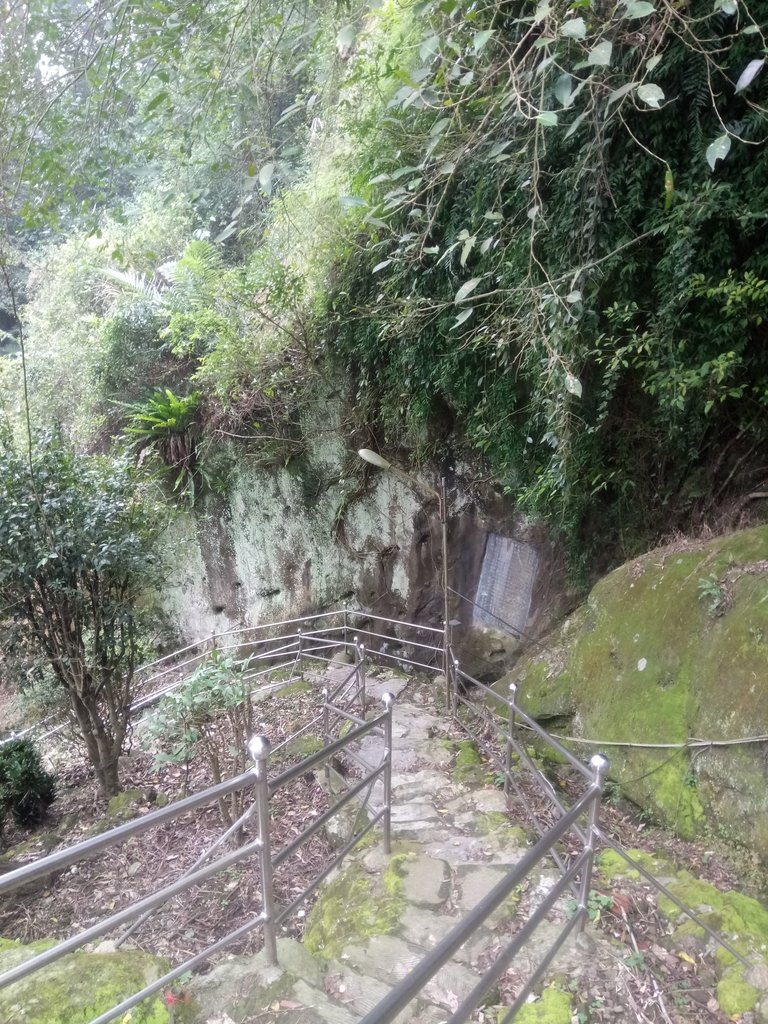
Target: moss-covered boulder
pixel 79 987
pixel 669 647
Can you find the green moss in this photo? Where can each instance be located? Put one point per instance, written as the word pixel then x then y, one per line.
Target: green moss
pixel 305 746
pixel 612 865
pixel 735 995
pixel 80 987
pixel 123 805
pixel 554 1007
pixel 492 821
pixel 354 907
pixel 300 686
pixel 730 912
pixel 643 661
pixel 468 767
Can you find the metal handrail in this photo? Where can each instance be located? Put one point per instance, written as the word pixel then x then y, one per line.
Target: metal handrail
pixel 263 789
pixel 420 975
pixel 516 716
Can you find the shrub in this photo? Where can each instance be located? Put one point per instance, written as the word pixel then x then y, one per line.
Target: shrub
pixel 26 788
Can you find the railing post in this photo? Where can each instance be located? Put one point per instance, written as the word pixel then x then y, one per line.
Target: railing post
pixel 258 748
pixel 346 630
pixel 599 765
pixel 510 735
pixel 361 675
pixel 455 688
pixel 300 655
pixel 388 701
pixel 326 736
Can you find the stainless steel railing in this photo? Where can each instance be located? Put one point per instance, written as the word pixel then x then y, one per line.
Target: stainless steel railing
pixel 287 645
pixel 509 725
pixel 340 705
pixel 579 871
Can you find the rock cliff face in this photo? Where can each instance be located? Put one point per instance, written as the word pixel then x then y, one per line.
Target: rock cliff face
pixel 669 648
pixel 325 531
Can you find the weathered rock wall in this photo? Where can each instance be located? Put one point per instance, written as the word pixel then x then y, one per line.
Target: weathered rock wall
pixel 304 537
pixel 668 648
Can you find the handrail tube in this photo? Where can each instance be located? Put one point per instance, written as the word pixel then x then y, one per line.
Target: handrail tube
pixel 532 724
pixel 350 675
pixel 295 735
pixel 395 622
pixel 329 868
pixel 671 896
pixel 347 715
pixel 310 830
pixel 541 831
pixel 150 698
pixel 546 960
pixel 314 760
pixel 518 940
pixel 134 910
pixel 94 844
pixel 417 978
pixel 219 841
pixel 400 640
pixel 399 659
pixel 176 972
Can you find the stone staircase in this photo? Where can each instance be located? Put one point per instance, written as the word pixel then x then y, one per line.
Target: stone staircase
pixel 375 919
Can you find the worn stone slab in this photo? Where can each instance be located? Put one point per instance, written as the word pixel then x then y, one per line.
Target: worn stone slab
pixel 426 882
pixel 475 881
pixel 386 957
pixel 458 849
pixel 360 993
pixel 414 812
pixel 423 929
pixel 326 1011
pixel 490 801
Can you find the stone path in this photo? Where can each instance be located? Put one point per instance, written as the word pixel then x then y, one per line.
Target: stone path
pixel 373 921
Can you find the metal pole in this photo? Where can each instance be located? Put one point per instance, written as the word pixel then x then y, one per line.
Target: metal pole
pixel 599 766
pixel 510 736
pixel 258 748
pixel 446 615
pixel 346 629
pixel 361 676
pixel 388 701
pixel 326 736
pixel 455 688
pixel 301 654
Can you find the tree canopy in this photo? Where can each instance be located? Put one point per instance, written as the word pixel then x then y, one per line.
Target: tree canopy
pixel 532 231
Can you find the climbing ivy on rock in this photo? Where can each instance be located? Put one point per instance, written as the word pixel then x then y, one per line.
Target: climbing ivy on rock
pixel 564 254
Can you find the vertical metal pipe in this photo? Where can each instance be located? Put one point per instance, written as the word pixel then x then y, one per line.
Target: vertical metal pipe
pixel 346 630
pixel 258 748
pixel 301 654
pixel 388 701
pixel 326 736
pixel 444 541
pixel 455 688
pixel 361 677
pixel 599 765
pixel 510 735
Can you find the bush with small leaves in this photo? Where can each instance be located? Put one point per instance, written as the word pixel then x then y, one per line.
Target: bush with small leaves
pixel 26 788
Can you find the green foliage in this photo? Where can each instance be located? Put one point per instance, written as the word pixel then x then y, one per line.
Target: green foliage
pixel 75 558
pixel 26 788
pixel 165 423
pixel 712 591
pixel 209 714
pixel 551 265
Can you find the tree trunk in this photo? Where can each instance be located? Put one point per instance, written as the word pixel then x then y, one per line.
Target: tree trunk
pixel 103 750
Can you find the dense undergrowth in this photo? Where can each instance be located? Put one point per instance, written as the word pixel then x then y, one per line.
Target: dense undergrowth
pixel 529 233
